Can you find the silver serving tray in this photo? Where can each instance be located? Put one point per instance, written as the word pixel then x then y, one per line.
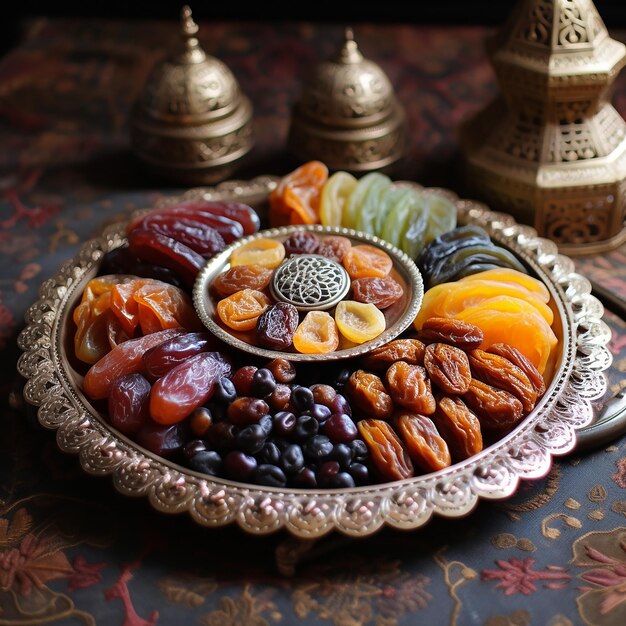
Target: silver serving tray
pixel 550 429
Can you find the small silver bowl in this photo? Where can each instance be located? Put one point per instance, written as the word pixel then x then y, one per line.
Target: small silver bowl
pixel 399 316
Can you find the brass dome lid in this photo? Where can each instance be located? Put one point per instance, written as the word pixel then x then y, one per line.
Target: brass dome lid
pixel 191 119
pixel 348 90
pixel 347 115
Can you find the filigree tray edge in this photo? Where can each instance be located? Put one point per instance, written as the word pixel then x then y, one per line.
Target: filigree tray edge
pixel 495 473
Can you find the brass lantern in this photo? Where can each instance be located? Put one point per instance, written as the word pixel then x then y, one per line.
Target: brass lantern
pixel 551 149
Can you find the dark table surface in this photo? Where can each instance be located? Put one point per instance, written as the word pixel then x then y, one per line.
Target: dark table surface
pixel 74 551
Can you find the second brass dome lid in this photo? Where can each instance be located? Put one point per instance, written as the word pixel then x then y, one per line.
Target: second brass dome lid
pixel 348 91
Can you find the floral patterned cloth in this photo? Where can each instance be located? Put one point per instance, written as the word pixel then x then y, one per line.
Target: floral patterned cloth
pixel 73 551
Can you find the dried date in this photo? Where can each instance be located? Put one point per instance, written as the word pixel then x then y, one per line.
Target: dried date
pixel 410 388
pixel 448 368
pixel 497 411
pixel 454 332
pixel 425 446
pixel 459 427
pixel 408 350
pixel 499 372
pixel 387 452
pixel 367 394
pixel 276 326
pixel 517 358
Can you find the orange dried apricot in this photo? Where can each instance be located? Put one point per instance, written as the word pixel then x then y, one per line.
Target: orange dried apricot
pixel 316 334
pixel 365 260
pixel 241 310
pixel 296 199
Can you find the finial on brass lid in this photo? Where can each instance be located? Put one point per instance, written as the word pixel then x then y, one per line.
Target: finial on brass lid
pixel 189 29
pixel 350 52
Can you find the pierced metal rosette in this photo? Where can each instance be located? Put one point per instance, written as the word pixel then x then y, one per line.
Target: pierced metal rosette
pixel 310 282
pixel 550 429
pixel 297 287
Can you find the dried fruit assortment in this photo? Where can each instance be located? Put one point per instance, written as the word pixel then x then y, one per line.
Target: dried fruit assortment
pixel 404 215
pixel 467 373
pixel 298 319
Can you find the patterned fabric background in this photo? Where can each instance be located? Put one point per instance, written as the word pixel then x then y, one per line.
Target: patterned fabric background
pixel 73 551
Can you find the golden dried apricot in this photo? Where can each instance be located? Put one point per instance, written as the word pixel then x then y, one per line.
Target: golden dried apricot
pixel 359 322
pixel 316 334
pixel 267 253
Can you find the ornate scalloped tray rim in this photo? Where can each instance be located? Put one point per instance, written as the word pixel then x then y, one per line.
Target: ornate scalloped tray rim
pixel 525 453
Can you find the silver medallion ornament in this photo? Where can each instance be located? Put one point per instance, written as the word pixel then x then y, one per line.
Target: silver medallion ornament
pixel 310 282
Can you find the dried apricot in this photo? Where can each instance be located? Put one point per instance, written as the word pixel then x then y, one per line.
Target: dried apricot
pixel 241 310
pixel 365 260
pixel 242 277
pixel 267 253
pixel 316 334
pixel 359 322
pixel 381 292
pixel 335 194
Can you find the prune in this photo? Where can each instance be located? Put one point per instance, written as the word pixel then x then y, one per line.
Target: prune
pixel 123 359
pixel 269 475
pixel 239 465
pixel 359 450
pixel 242 379
pixel 340 405
pixel 206 461
pixel 340 428
pixel 276 326
pixel 223 436
pixel 224 391
pixel 342 480
pixel 159 360
pixel 263 383
pixel 152 247
pixel 341 379
pixel 301 242
pixel 165 441
pixel 305 478
pixel 326 472
pixel 246 410
pixel 317 448
pixel 266 424
pixel 269 453
pixel 320 412
pixel 200 421
pixel 305 428
pixel 241 277
pixel 341 453
pixel 292 460
pixel 251 439
pixel 129 403
pixel 186 387
pixel 191 448
pixel 283 370
pixel 302 398
pixel 284 424
pixel 381 292
pixel 201 238
pixel 360 473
